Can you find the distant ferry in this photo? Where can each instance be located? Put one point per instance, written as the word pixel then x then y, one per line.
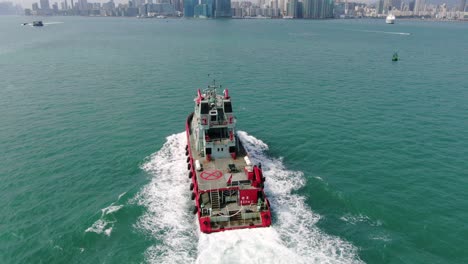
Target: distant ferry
pixel 288 17
pixel 390 19
pixel 37 24
pixel 226 186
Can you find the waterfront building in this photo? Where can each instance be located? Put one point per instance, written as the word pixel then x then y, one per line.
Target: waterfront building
pixel 380 7
pixel 201 11
pixel 411 6
pixel 318 9
pixel 419 6
pixel 282 4
pixel 83 5
pixel 222 8
pixel 211 6
pixel 189 7
pixel 462 5
pixel 292 9
pixel 45 4
pixel 308 9
pixel 178 6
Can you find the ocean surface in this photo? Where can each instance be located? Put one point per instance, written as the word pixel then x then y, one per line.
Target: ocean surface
pixel 365 158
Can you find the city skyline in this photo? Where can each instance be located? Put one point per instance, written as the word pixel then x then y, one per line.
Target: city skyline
pixel 281 3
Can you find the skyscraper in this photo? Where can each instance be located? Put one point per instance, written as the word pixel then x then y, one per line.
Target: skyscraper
pixel 210 4
pixel 462 5
pixel 189 6
pixel 419 6
pixel 308 10
pixel 222 8
pixel 45 4
pixel 380 6
pixel 411 6
pixel 83 4
pixel 292 8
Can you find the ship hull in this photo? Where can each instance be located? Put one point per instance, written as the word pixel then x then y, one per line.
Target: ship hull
pixel 206 222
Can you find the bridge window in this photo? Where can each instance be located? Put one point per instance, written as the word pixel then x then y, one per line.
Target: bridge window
pixel 227 107
pixel 205 108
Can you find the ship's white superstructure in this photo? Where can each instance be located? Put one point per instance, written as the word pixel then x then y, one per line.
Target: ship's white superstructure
pixel 390 19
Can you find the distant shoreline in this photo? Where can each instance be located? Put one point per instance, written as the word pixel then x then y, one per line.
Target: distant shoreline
pixel 263 18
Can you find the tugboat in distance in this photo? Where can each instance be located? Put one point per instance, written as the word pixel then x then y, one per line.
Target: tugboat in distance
pixel 226 186
pixel 37 24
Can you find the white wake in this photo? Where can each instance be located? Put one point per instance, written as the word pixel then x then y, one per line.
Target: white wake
pixel 293 237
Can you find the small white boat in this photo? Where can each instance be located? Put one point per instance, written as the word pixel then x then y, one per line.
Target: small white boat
pixel 390 19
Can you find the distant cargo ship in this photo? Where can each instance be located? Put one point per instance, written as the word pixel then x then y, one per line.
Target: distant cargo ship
pixel 226 186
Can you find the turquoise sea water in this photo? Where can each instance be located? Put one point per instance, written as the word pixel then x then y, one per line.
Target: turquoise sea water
pixel 365 158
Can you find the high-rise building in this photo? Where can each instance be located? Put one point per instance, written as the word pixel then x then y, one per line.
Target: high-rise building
pixel 200 10
pixel 386 6
pixel 35 7
pixel 139 3
pixel 222 8
pixel 419 6
pixel 462 5
pixel 282 4
pixel 411 6
pixel 292 8
pixel 189 6
pixel 45 4
pixel 83 4
pixel 395 4
pixel 178 5
pixel 308 9
pixel 211 6
pixel 327 8
pixel 380 6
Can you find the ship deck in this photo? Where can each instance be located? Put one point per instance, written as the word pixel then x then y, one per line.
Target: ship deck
pixel 216 174
pixel 223 188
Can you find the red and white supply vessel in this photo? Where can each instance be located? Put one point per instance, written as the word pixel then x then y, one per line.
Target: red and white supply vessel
pixel 227 188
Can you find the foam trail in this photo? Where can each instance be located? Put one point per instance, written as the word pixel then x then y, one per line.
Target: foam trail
pixel 293 237
pixel 166 197
pixel 53 23
pixel 385 32
pixel 106 222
